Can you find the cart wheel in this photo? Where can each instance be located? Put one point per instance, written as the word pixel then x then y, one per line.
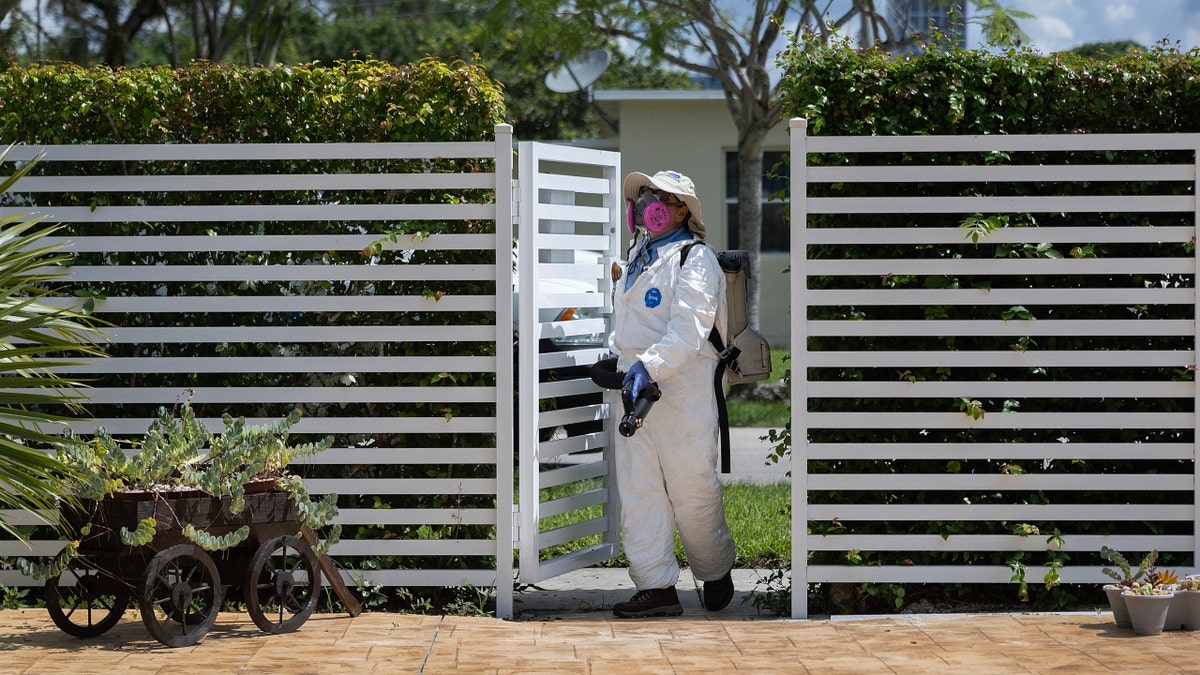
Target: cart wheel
pixel 180 596
pixel 85 603
pixel 283 584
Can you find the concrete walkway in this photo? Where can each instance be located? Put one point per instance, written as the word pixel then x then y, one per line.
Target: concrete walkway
pixel 594 642
pixel 565 625
pixel 748 454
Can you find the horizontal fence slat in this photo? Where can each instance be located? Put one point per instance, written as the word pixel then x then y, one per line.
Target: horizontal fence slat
pixel 573 212
pixel 1067 173
pixel 296 395
pixel 266 182
pixel 1001 267
pixel 574 502
pixel 1003 359
pixel 998 327
pixel 314 425
pixel 588 413
pixel 551 451
pixel 18 517
pixel 1031 388
pixel 572 473
pixel 273 242
pixel 416 516
pixel 402 486
pixel 106 152
pixel 484 578
pixel 949 574
pixel 1006 235
pixel 573 532
pixel 1003 512
pixel 1001 420
pixel 414 547
pixel 1002 296
pixel 966 205
pixel 286 334
pixel 1001 142
pixel 255 213
pixel 287 303
pixel 575 560
pixel 1002 451
pixel 900 482
pixel 993 542
pixel 282 364
pixel 548 241
pixel 242 273
pixel 406 455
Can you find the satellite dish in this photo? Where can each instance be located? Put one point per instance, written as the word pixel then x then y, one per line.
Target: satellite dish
pixel 579 73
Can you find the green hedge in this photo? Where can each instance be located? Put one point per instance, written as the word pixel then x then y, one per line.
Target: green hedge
pixel 842 91
pixel 357 101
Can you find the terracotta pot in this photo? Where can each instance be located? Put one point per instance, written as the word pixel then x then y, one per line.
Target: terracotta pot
pixel 1147 613
pixel 1120 612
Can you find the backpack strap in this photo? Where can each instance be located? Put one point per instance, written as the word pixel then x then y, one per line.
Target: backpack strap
pixel 725 358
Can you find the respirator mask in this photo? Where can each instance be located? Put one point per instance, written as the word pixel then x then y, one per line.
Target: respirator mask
pixel 651 211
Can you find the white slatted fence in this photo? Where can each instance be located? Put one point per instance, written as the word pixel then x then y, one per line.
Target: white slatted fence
pixel 951 391
pixel 255 289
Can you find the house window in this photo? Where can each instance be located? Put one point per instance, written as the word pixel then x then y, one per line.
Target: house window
pixel 775 235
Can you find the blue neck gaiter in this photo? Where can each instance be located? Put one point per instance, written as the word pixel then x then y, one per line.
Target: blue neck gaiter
pixel 648 252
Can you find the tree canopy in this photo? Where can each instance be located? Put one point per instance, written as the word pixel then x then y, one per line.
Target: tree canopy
pixel 736 46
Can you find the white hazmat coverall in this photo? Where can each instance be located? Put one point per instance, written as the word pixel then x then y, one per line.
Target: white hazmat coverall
pixel 667 472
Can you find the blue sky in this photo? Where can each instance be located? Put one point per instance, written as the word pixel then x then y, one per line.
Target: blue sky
pixel 1064 24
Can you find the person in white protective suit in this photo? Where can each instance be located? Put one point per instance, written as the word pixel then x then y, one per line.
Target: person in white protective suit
pixel 667 471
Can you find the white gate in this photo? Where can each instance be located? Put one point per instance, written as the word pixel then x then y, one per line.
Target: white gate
pixel 376 391
pixel 569 214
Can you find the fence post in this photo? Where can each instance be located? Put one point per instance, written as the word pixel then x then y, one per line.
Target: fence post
pixel 505 540
pixel 799 273
pixel 1196 351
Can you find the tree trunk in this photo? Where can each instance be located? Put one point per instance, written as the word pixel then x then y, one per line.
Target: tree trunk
pixel 750 201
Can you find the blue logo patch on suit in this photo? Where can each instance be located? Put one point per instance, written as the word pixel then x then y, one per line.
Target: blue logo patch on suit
pixel 653 298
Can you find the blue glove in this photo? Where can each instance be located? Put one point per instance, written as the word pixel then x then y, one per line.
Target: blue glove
pixel 638 375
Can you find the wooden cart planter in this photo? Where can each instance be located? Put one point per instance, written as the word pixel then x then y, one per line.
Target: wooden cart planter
pixel 180 586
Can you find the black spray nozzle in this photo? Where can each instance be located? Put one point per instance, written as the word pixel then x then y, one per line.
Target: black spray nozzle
pixel 605 374
pixel 636 410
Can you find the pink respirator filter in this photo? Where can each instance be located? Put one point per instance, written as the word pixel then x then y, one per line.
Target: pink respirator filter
pixel 655 217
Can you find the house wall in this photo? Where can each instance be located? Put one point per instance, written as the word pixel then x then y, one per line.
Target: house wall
pixel 692 137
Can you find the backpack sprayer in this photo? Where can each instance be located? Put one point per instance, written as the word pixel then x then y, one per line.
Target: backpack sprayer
pixel 605 374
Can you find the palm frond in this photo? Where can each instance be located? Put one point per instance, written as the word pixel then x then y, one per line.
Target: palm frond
pixel 36 338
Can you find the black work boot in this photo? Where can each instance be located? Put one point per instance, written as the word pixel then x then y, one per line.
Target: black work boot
pixel 717 594
pixel 650 602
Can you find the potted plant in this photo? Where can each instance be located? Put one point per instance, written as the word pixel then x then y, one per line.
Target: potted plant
pixel 1148 605
pixel 180 458
pixel 1185 606
pixel 147 522
pixel 1126 577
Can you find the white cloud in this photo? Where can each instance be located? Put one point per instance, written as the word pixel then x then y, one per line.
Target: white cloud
pixel 1065 24
pixel 1119 13
pixel 1051 34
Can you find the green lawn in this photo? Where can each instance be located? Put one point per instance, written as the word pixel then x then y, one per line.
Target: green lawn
pixel 773 414
pixel 759 515
pixel 759 518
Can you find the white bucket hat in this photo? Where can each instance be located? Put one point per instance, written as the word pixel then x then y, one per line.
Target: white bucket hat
pixel 674 183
